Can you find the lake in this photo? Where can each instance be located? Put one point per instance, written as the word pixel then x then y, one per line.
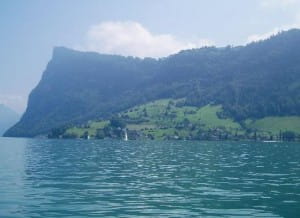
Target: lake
pixel 78 178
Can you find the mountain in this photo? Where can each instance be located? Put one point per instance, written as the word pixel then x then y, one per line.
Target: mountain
pixel 7 118
pixel 254 81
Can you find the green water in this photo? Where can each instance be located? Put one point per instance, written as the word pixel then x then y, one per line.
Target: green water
pixel 66 178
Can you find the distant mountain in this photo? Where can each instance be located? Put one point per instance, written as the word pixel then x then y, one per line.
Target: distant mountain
pixel 8 118
pixel 254 81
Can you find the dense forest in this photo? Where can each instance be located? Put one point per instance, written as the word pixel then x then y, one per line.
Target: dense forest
pixel 254 81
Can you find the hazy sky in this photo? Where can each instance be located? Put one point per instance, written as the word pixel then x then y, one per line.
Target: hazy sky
pixel 30 29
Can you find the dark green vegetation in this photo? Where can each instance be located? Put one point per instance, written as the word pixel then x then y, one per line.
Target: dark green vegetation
pixel 7 118
pixel 249 83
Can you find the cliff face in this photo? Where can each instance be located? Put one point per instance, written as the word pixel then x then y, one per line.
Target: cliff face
pixel 77 86
pixel 257 80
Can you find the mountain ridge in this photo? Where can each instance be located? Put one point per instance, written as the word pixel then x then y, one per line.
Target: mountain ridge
pixel 253 81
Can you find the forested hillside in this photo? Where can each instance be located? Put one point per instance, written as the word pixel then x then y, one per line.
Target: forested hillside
pixel 258 80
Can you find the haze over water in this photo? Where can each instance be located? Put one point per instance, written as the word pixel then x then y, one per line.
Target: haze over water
pixel 77 178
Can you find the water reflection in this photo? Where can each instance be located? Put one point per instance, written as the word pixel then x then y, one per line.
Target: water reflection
pixel 12 186
pixel 58 178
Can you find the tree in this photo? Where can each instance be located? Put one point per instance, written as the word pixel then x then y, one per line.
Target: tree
pixel 100 134
pixel 186 122
pixel 117 122
pixel 288 136
pixel 85 135
pixel 145 114
pixel 56 133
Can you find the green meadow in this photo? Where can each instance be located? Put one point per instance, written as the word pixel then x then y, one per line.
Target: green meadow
pixel 170 119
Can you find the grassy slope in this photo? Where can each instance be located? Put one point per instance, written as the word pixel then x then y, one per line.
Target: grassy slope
pixel 275 124
pixel 158 114
pixel 159 118
pixel 91 128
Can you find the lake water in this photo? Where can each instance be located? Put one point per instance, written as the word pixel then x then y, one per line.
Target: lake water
pixel 77 178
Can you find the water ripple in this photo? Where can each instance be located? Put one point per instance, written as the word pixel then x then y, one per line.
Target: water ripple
pixel 77 178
